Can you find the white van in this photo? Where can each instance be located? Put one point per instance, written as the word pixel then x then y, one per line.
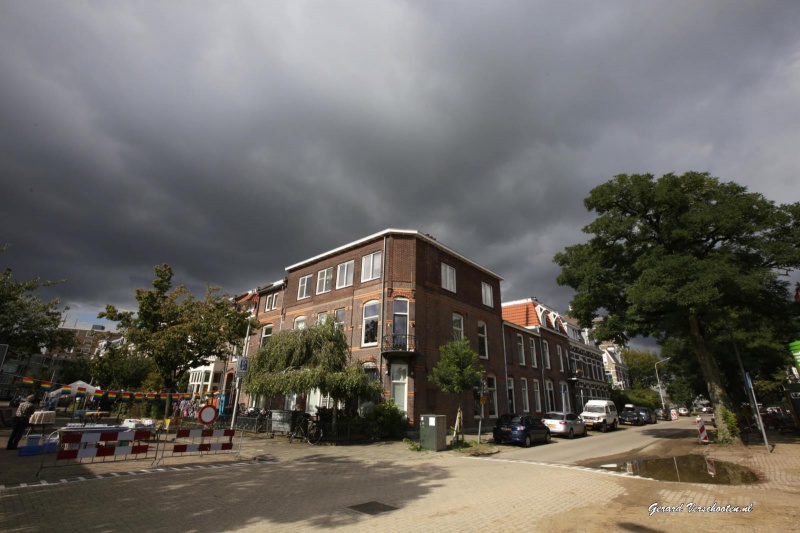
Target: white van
pixel 600 414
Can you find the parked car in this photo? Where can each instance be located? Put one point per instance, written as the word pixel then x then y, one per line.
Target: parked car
pixel 663 414
pixel 648 415
pixel 522 429
pixel 600 414
pixel 564 424
pixel 630 415
pixel 682 411
pixel 708 410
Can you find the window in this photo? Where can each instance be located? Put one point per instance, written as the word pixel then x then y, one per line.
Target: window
pixel 370 326
pixel 266 333
pixel 549 396
pixel 322 317
pixel 300 322
pixel 532 348
pixel 483 347
pixel 491 400
pixel 400 324
pixel 324 280
pixel 344 275
pixel 338 317
pixel 371 266
pixel 400 385
pixel 304 290
pixel 560 358
pixel 510 386
pixel 275 301
pixel 520 350
pixel 448 278
pixel 537 397
pixel 487 295
pixel 546 354
pixel 268 304
pixel 523 390
pixel 458 327
pixel 564 397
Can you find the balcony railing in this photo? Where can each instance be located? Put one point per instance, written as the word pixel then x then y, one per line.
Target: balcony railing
pixel 399 343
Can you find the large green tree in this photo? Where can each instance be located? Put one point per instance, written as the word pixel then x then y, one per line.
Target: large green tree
pixel 317 357
pixel 179 331
pixel 688 257
pixel 28 323
pixel 121 368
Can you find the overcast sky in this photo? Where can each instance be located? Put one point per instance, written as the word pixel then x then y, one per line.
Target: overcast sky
pixel 232 139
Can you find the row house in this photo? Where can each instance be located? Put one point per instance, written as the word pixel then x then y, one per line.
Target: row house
pixel 399 295
pixel 570 364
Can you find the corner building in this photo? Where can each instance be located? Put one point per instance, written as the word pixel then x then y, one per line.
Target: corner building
pixel 399 295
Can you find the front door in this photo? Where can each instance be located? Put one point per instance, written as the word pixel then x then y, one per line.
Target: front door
pixel 400 385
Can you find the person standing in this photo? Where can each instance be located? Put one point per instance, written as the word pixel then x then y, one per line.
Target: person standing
pixel 21 419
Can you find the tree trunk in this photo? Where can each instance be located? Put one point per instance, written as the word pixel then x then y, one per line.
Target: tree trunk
pixel 712 376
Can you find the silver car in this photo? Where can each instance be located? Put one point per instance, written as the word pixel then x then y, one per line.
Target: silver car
pixel 564 424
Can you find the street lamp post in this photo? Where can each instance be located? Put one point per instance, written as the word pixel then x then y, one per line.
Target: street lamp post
pixel 660 388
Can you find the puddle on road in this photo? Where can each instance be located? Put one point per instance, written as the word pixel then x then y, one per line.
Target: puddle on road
pixel 687 468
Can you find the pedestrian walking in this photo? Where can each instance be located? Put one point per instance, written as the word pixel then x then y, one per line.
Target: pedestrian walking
pixel 21 419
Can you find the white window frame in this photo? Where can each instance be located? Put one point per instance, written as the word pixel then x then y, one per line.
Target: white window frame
pixel 268 304
pixel 324 280
pixel 448 277
pixel 458 326
pixel 546 354
pixel 340 323
pixel 483 340
pixel 275 301
pixel 344 274
pixel 299 323
pixel 264 334
pixel 376 316
pixel 487 294
pixel 564 390
pixel 512 408
pixel 523 390
pixel 371 267
pixel 560 355
pixel 532 346
pixel 537 395
pixel 322 317
pixel 491 391
pixel 549 396
pixel 304 289
pixel 520 350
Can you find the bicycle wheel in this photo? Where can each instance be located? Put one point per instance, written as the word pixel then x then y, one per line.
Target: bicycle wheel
pixel 314 434
pixel 298 432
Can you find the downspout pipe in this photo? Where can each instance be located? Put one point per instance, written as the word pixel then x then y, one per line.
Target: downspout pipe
pixel 505 365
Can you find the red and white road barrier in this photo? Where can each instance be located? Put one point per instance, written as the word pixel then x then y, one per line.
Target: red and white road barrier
pixel 95 444
pixel 204 446
pixel 701 431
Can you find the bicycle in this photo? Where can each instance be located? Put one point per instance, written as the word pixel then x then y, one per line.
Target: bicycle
pixel 307 429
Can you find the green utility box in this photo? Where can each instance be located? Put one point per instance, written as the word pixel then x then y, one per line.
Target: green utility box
pixel 433 432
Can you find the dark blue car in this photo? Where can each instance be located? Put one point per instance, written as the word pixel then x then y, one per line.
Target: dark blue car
pixel 522 429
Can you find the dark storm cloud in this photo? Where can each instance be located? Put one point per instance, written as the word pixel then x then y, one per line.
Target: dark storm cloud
pixel 233 140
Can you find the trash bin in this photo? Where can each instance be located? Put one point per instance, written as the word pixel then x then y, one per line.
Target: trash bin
pixel 433 432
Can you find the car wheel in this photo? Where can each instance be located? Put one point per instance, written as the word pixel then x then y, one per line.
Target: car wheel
pixel 614 425
pixel 604 427
pixel 547 438
pixel 527 441
pixel 571 434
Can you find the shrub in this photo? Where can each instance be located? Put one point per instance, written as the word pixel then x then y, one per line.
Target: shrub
pixel 386 421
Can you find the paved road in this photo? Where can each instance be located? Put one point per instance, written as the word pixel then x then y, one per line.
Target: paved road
pixel 625 439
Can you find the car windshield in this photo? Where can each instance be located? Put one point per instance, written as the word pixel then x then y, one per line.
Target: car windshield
pixel 554 416
pixel 629 410
pixel 517 420
pixel 595 409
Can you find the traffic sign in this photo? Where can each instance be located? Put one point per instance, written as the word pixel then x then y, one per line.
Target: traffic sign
pixel 241 367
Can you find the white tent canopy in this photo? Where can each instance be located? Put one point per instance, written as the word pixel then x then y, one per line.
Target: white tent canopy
pixel 74 386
